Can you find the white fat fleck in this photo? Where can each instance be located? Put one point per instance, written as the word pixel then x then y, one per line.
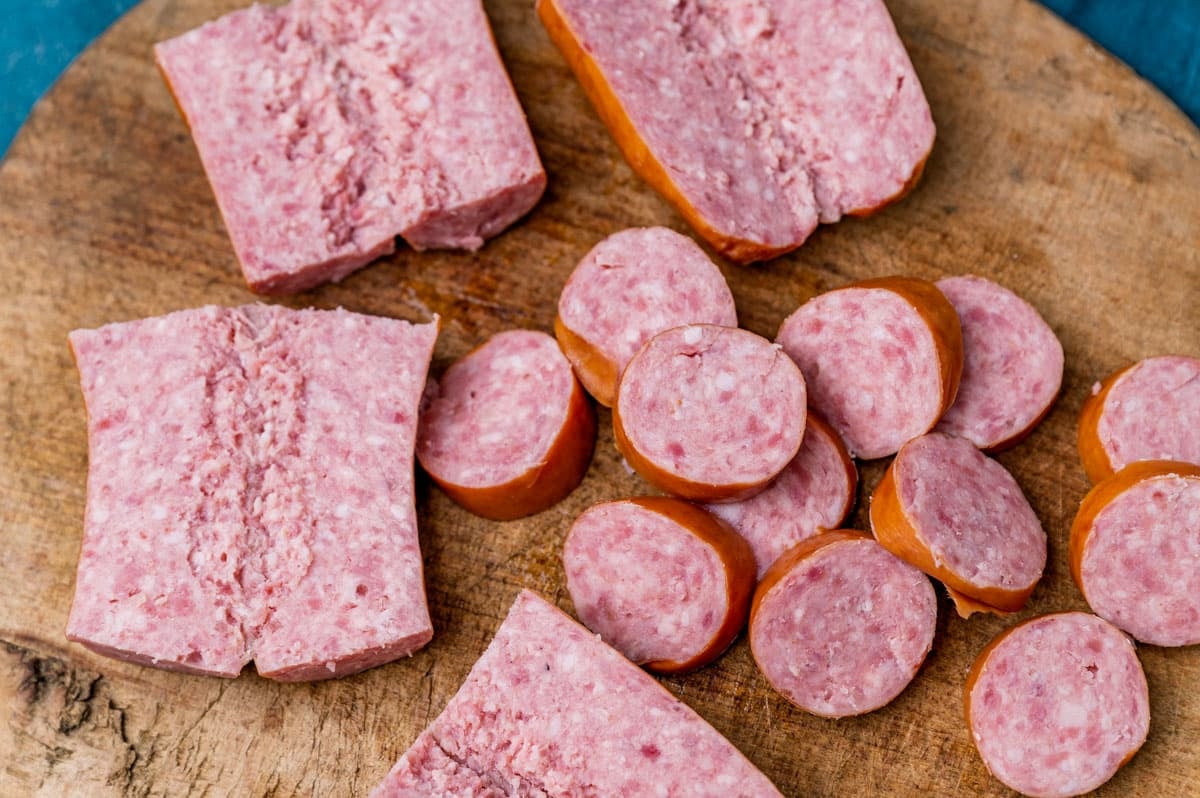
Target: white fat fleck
pixel 376 440
pixel 726 381
pixel 397 512
pixel 158 513
pixel 342 510
pixel 99 515
pixel 692 335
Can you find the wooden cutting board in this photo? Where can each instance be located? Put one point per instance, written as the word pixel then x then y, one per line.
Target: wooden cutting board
pixel 1057 172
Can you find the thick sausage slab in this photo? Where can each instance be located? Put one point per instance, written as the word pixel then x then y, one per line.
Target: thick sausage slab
pixel 814 493
pixel 882 360
pixel 1148 411
pixel 1012 365
pixel 1135 551
pixel 709 413
pixel 660 580
pixel 839 626
pixel 507 431
pixel 960 517
pixel 549 709
pixel 629 287
pixel 250 491
pixel 327 129
pixel 755 118
pixel 1057 704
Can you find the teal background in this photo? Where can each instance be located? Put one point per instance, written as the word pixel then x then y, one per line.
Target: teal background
pixel 38 38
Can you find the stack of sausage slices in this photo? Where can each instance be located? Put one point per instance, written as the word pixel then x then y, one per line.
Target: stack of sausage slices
pixel 753 442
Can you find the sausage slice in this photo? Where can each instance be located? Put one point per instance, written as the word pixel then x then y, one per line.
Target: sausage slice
pixel 629 287
pixel 1012 365
pixel 1147 411
pixel 1057 704
pixel 507 432
pixel 709 413
pixel 960 517
pixel 882 359
pixel 659 579
pixel 1135 546
pixel 839 626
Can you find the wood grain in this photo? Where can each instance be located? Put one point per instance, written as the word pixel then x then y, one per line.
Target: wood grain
pixel 1057 172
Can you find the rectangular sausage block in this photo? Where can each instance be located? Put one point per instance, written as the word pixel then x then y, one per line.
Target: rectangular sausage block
pixel 250 491
pixel 549 709
pixel 328 128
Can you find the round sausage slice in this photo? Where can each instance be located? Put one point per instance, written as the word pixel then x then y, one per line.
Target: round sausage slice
pixel 631 286
pixel 839 626
pixel 882 359
pixel 1012 365
pixel 813 494
pixel 1135 551
pixel 709 413
pixel 960 517
pixel 1148 411
pixel 659 579
pixel 508 431
pixel 1056 705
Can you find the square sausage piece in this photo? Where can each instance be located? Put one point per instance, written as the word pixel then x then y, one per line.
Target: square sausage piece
pixel 250 491
pixel 550 709
pixel 328 128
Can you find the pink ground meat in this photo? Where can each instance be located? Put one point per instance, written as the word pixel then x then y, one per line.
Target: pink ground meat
pixel 1152 412
pixel 1059 704
pixel 495 413
pixel 713 405
pixel 250 491
pixel 329 128
pixel 646 584
pixel 549 709
pixel 812 494
pixel 846 630
pixel 1141 563
pixel 1012 363
pixel 970 512
pixel 637 283
pixel 871 366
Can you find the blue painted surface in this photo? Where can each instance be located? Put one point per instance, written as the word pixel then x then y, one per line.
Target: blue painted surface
pixel 38 39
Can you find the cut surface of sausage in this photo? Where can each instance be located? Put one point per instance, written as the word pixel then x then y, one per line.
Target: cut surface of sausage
pixel 659 580
pixel 629 287
pixel 1135 545
pixel 250 491
pixel 1057 704
pixel 549 709
pixel 327 130
pixel 814 493
pixel 1148 411
pixel 1012 365
pixel 507 431
pixel 709 413
pixel 795 112
pixel 839 626
pixel 960 517
pixel 881 359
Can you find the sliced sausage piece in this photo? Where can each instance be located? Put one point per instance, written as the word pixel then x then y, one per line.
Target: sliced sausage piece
pixel 507 432
pixel 755 120
pixel 1148 411
pixel 1057 704
pixel 839 626
pixel 709 413
pixel 632 286
pixel 1135 551
pixel 960 517
pixel 1012 365
pixel 882 360
pixel 659 579
pixel 814 493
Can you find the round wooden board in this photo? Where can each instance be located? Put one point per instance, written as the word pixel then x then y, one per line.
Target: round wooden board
pixel 1057 172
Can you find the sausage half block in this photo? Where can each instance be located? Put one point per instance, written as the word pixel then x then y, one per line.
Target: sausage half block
pixel 250 491
pixel 549 709
pixel 1057 704
pixel 756 119
pixel 328 128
